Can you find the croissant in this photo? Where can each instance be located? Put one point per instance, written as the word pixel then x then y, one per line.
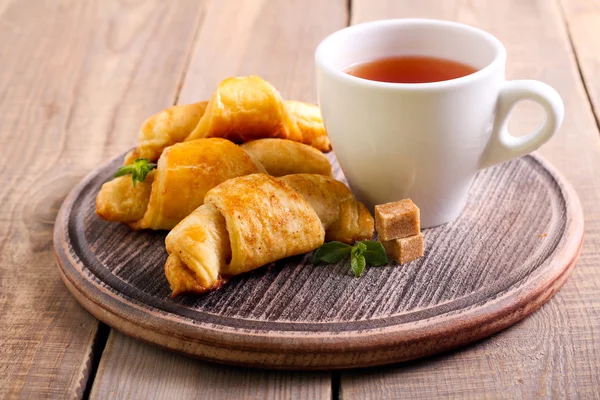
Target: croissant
pixel 250 221
pixel 344 218
pixel 187 171
pixel 282 157
pixel 241 109
pixel 164 129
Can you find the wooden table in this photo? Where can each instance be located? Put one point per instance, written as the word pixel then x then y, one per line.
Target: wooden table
pixel 77 77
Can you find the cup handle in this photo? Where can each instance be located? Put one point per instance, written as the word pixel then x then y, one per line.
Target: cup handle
pixel 502 145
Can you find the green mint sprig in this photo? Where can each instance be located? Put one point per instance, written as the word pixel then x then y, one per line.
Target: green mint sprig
pixel 138 170
pixel 362 253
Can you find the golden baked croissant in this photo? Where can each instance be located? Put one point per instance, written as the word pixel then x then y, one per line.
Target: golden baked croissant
pixel 253 220
pixel 187 171
pixel 241 109
pixel 282 157
pixel 344 218
pixel 164 129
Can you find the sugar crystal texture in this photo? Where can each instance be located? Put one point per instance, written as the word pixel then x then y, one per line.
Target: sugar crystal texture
pixel 397 220
pixel 405 250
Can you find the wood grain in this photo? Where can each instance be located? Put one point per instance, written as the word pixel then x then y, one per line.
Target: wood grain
pixel 63 111
pixel 480 274
pixel 582 18
pixel 76 80
pixel 143 377
pixel 555 352
pixel 274 40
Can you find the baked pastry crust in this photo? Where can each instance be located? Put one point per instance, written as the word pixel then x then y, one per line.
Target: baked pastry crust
pixel 282 157
pixel 187 171
pixel 164 129
pixel 241 109
pixel 262 219
pixel 245 223
pixel 344 218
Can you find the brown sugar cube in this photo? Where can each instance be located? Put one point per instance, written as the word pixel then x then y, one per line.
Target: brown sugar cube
pixel 397 220
pixel 406 249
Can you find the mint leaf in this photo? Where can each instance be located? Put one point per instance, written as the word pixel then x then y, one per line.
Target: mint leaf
pixel 361 254
pixel 359 248
pixel 357 264
pixel 138 170
pixel 124 170
pixel 374 253
pixel 331 252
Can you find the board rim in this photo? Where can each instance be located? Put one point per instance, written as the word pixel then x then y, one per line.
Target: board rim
pixel 320 350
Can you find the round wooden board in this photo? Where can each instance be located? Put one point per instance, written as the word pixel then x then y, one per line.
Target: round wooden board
pixel 510 251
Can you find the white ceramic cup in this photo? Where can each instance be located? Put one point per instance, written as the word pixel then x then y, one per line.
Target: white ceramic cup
pixel 425 141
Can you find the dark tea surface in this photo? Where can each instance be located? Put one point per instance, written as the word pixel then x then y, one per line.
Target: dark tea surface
pixel 410 69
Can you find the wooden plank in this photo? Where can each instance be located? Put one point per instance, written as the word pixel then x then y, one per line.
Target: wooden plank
pixel 77 78
pixel 554 352
pixel 275 40
pixel 132 369
pixel 583 23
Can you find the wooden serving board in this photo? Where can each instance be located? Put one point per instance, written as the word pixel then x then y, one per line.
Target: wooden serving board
pixel 510 251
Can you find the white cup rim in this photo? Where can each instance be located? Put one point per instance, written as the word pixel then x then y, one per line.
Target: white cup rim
pixel 324 63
